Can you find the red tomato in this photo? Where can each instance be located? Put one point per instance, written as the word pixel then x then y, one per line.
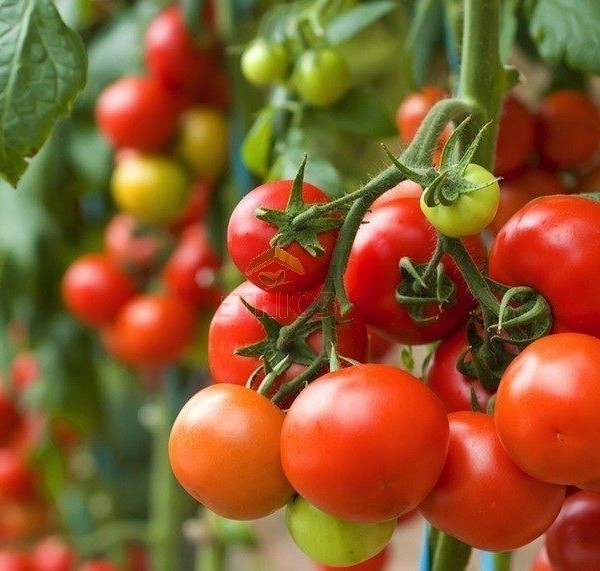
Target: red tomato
pixel 196 208
pixel 400 229
pixel 590 182
pixel 233 327
pixel 377 563
pixel 569 129
pixel 548 409
pixel 151 330
pixel 573 540
pixel 15 560
pixel 517 192
pixel 290 269
pixel 10 418
pixel 224 450
pixel 137 112
pixel 94 289
pixel 414 109
pixel 24 370
pixel 365 443
pixel 516 136
pixel 16 477
pixel 191 271
pixel 482 493
pixel 53 554
pixel 541 561
pixel 447 382
pixel 406 188
pixel 550 245
pixel 99 565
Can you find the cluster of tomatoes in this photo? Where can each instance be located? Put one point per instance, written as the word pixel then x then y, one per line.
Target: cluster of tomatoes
pixel 158 268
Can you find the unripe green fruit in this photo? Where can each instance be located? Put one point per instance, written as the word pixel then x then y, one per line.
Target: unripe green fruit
pixel 264 63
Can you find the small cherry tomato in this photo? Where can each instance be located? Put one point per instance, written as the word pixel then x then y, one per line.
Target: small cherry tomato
pixel 137 112
pixel 481 493
pixel 53 554
pixel 331 540
pixel 383 447
pixel 224 450
pixel 414 109
pixel 15 560
pixel 17 482
pixel 548 409
pixel 154 189
pixel 94 289
pixel 569 129
pixel 264 62
pixel 471 212
pixel 321 77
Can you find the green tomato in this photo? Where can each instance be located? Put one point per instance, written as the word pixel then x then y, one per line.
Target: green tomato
pixel 321 77
pixel 472 212
pixel 154 189
pixel 332 541
pixel 263 62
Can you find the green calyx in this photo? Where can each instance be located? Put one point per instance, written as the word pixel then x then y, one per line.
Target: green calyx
pixel 306 233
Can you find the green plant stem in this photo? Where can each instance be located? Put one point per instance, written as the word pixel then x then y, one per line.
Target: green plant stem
pixel 211 556
pixel 502 561
pixel 450 554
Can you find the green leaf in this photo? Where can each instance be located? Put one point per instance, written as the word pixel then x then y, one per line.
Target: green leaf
pixel 361 113
pixel 567 30
pixel 256 148
pixel 351 23
pixel 42 68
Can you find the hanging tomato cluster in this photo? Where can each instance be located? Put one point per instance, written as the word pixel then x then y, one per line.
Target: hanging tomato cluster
pixel 158 269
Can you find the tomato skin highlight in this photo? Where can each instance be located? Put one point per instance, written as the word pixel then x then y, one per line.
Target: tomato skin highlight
pixel 374 416
pixel 224 450
pixel 545 231
pixel 393 231
pixel 548 409
pixel 482 497
pixel 248 238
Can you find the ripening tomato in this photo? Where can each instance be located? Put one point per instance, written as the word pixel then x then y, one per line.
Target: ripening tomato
pixel 15 560
pixel 550 245
pixel 137 112
pixel 17 482
pixel 153 188
pixel 516 136
pixel 95 288
pixel 541 561
pixel 191 271
pixel 53 554
pixel 377 563
pixel 447 382
pixel 394 231
pixel 99 565
pixel 573 540
pixel 414 109
pixel 519 191
pixel 590 181
pixel 289 269
pixel 548 409
pixel 366 443
pixel 265 62
pixel 196 208
pixel 151 330
pixel 407 188
pixel 224 450
pixel 482 497
pixel 25 370
pixel 569 129
pixel 203 142
pixel 234 327
pixel 331 540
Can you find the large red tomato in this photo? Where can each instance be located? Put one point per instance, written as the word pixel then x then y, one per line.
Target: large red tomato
pixel 224 450
pixel 482 497
pixel 396 230
pixel 548 409
pixel 365 443
pixel 447 382
pixel 550 245
pixel 290 269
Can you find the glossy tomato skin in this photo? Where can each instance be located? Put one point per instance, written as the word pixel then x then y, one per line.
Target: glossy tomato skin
pixel 53 554
pixel 15 560
pixel 548 409
pixel 393 231
pixel 447 382
pixel 95 288
pixel 224 450
pixel 516 137
pixel 569 129
pixel 151 330
pixel 137 112
pixel 482 497
pixel 191 271
pixel 234 327
pixel 541 561
pixel 365 443
pixel 248 239
pixel 519 191
pixel 573 540
pixel 377 563
pixel 528 249
pixel 413 110
pixel 17 482
pixel 333 541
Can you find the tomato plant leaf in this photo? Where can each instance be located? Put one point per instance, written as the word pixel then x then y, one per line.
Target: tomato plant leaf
pixel 42 68
pixel 256 148
pixel 350 23
pixel 567 30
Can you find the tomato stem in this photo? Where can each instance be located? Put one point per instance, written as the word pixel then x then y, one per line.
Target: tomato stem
pixel 450 554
